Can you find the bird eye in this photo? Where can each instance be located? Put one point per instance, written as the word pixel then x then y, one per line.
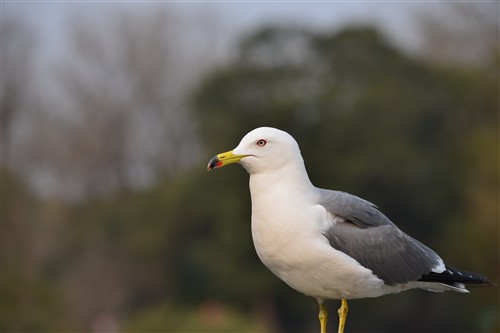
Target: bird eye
pixel 261 143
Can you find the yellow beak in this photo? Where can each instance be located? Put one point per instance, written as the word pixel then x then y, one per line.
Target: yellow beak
pixel 223 159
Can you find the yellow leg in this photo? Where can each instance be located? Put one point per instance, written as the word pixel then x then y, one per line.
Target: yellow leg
pixel 323 317
pixel 342 315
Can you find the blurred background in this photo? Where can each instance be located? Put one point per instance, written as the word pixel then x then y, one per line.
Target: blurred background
pixel 110 112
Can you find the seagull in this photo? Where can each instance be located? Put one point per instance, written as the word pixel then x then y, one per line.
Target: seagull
pixel 329 244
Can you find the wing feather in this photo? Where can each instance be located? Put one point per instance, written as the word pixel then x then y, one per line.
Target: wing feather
pixel 361 231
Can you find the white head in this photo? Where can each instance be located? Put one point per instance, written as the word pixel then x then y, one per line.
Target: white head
pixel 263 149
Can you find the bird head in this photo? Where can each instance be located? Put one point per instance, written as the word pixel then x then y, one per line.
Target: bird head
pixel 263 149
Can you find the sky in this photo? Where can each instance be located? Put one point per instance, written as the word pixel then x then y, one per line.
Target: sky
pixel 49 18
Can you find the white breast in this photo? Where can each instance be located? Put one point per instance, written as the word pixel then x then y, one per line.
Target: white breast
pixel 288 238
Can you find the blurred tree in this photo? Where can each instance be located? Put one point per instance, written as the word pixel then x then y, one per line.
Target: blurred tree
pixel 116 114
pixel 31 301
pixel 26 251
pixel 463 33
pixel 127 99
pixel 18 42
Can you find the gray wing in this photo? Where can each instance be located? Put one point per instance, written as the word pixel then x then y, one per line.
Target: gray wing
pixel 365 234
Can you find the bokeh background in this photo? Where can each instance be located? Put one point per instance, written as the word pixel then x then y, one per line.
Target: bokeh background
pixel 110 112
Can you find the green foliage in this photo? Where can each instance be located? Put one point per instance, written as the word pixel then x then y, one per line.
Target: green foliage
pixel 26 281
pixel 209 316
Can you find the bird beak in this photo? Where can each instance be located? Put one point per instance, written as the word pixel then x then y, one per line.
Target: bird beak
pixel 223 159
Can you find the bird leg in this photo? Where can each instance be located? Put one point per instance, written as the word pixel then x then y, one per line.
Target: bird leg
pixel 323 317
pixel 342 315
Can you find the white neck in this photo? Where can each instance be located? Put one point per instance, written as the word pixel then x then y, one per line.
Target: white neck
pixel 287 181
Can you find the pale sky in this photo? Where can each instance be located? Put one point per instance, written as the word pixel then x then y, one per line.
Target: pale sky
pixel 395 17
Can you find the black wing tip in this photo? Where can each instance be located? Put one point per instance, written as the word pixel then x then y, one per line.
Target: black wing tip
pixel 452 276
